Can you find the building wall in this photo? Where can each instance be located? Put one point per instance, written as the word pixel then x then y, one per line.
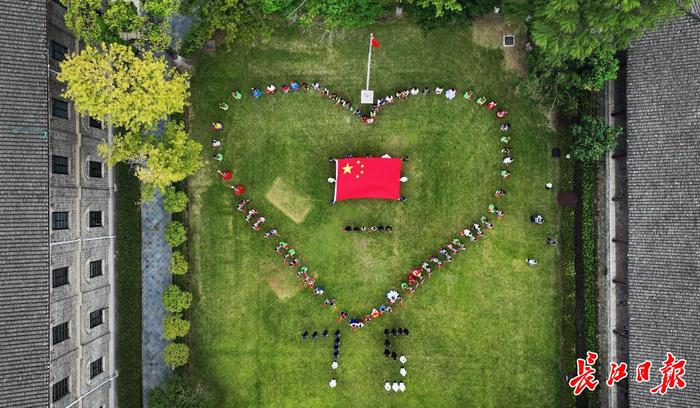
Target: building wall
pixel 78 193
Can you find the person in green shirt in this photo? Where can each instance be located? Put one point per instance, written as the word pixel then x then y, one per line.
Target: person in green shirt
pixel 236 95
pixel 219 157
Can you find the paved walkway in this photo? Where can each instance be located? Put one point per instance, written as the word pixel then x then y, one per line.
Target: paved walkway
pixel 155 264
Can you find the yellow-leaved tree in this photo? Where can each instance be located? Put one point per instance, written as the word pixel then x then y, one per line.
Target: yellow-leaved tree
pixel 135 93
pixel 160 157
pixel 114 84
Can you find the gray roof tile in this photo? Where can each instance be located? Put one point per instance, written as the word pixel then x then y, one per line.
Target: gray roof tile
pixel 663 159
pixel 24 247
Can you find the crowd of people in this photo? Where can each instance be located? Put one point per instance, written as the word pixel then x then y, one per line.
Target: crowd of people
pixel 373 228
pixel 390 353
pixel 341 102
pixel 336 348
pixel 418 275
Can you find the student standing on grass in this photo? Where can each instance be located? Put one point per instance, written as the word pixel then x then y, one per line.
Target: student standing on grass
pixel 333 383
pixel 236 95
pixel 531 261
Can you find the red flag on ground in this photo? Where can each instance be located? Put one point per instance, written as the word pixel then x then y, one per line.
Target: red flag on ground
pixel 367 177
pixel 375 43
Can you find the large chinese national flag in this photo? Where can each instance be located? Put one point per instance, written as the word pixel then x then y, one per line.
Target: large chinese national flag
pixel 367 178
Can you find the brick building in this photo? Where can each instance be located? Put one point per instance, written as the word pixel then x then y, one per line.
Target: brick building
pixel 57 322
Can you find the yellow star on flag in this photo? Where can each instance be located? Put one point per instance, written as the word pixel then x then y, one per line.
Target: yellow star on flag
pixel 347 169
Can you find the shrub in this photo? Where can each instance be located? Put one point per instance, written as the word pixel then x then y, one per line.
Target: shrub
pixel 175 233
pixel 174 201
pixel 593 138
pixel 176 354
pixel 175 326
pixel 178 264
pixel 175 299
pixel 177 392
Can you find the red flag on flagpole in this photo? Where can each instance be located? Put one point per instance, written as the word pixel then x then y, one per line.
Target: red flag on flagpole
pixel 367 177
pixel 375 43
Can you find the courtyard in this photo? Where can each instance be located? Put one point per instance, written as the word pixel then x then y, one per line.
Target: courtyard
pixel 484 330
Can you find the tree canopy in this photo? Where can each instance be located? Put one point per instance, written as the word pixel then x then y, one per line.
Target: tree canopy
pixel 115 85
pixel 593 138
pixel 577 29
pixel 98 21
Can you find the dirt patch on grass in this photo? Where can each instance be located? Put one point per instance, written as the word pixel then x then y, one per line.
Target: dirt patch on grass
pixel 488 31
pixel 283 284
pixel 292 203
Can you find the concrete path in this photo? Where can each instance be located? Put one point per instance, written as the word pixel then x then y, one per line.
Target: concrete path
pixel 155 264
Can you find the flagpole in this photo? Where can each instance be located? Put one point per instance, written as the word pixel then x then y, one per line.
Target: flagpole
pixel 369 58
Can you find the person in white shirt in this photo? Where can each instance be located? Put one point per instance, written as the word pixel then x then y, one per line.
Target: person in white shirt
pixel 334 365
pixel 402 386
pixel 332 383
pixel 395 386
pixel 438 90
pixel 403 372
pixel 402 359
pixel 387 386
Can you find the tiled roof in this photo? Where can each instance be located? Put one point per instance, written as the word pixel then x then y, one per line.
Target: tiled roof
pixel 663 160
pixel 24 203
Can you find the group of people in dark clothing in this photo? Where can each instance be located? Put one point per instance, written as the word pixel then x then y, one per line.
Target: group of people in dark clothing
pixel 373 228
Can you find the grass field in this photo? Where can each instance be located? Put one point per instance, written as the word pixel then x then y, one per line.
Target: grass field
pixel 485 330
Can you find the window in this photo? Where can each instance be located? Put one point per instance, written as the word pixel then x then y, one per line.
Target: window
pixel 60 277
pixel 95 169
pixel 95 269
pixel 96 368
pixel 60 108
pixel 95 219
pixel 95 318
pixel 60 333
pixel 60 389
pixel 59 165
pixel 95 123
pixel 58 51
pixel 59 220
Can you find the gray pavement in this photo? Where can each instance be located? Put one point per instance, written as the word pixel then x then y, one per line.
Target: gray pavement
pixel 155 264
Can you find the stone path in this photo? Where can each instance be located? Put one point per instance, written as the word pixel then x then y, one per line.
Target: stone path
pixel 155 264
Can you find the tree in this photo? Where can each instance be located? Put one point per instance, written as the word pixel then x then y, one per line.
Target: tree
pixel 593 138
pixel 176 354
pixel 175 233
pixel 175 326
pixel 84 19
pixel 115 85
pixel 161 9
pixel 244 20
pixel 122 17
pixel 175 300
pixel 174 201
pixel 576 29
pixel 177 392
pixel 178 264
pixel 440 6
pixel 160 158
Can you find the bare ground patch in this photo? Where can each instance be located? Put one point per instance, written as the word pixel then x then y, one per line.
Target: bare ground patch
pixel 283 284
pixel 488 31
pixel 292 203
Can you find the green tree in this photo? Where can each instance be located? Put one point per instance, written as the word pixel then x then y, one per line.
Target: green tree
pixel 178 264
pixel 440 6
pixel 121 16
pixel 84 19
pixel 593 138
pixel 160 158
pixel 177 392
pixel 126 90
pixel 176 354
pixel 175 233
pixel 244 20
pixel 161 9
pixel 175 326
pixel 175 300
pixel 576 29
pixel 174 201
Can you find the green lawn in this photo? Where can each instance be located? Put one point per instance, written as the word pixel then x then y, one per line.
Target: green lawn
pixel 128 260
pixel 485 330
